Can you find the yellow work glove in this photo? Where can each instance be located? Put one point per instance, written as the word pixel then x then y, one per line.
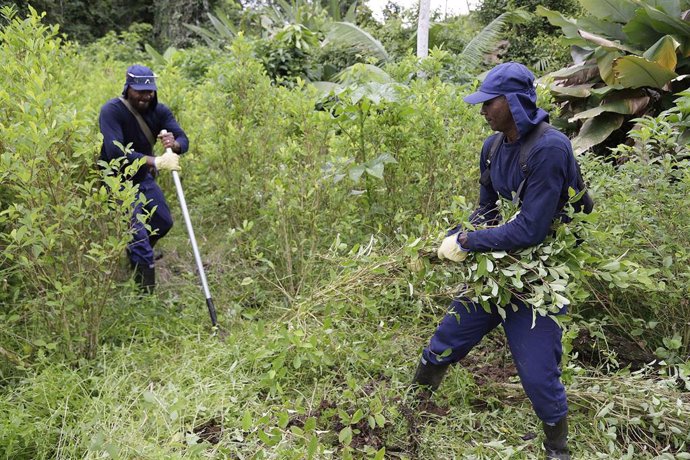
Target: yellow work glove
pixel 450 249
pixel 169 161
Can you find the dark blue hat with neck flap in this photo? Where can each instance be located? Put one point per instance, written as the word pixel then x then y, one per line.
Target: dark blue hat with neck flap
pixel 514 81
pixel 506 78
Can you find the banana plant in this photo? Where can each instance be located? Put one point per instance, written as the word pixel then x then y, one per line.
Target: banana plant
pixel 630 57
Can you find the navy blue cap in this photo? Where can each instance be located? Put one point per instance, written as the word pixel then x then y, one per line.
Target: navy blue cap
pixel 506 78
pixel 140 78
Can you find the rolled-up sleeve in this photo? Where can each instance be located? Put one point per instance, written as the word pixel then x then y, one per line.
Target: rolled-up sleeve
pixel 170 124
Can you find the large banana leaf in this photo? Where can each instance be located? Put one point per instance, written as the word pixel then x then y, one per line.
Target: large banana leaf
pixel 578 73
pixel 595 131
pixel 671 7
pixel 605 42
pixel 639 30
pixel 605 60
pixel 635 44
pixel 663 52
pixel 636 72
pixel 667 23
pixel 571 28
pixel 612 30
pixel 359 73
pixel 612 10
pixel 623 106
pixel 650 24
pixel 579 91
pixel 671 24
pixel 375 92
pixel 349 34
pixel 327 87
pixel 567 25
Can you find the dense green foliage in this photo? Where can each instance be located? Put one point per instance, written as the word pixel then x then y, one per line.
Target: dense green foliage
pixel 84 20
pixel 87 20
pixel 632 58
pixel 309 208
pixel 535 43
pixel 55 254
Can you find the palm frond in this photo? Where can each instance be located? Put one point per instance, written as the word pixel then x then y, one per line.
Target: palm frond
pixel 156 57
pixel 227 23
pixel 211 39
pixel 334 10
pixel 288 12
pixel 351 15
pixel 225 30
pixel 348 34
pixel 362 73
pixel 485 42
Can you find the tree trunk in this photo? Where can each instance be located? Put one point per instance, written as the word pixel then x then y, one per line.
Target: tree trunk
pixel 170 17
pixel 423 29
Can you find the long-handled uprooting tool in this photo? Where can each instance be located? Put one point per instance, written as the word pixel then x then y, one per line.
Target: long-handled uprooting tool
pixel 197 256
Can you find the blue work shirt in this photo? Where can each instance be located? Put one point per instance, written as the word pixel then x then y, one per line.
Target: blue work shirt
pixel 118 124
pixel 553 171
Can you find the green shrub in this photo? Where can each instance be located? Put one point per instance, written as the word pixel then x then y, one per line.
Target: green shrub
pixel 125 46
pixel 643 206
pixel 60 232
pixel 302 177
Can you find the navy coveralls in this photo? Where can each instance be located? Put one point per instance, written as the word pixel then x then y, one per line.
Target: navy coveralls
pixel 536 351
pixel 118 124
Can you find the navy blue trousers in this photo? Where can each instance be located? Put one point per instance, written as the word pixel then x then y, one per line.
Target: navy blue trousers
pixel 141 247
pixel 536 351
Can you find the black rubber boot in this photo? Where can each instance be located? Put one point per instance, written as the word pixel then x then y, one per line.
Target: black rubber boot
pixel 145 277
pixel 556 443
pixel 429 375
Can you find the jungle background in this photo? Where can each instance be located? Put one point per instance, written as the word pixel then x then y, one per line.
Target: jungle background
pixel 326 162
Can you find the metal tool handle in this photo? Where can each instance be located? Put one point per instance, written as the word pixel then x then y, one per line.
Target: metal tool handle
pixel 195 248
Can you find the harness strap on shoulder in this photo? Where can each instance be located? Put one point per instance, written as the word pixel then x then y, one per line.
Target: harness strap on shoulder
pixel 142 124
pixel 485 179
pixel 531 139
pixel 525 150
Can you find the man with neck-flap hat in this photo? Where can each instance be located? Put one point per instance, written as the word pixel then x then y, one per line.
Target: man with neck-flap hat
pixel 541 189
pixel 137 118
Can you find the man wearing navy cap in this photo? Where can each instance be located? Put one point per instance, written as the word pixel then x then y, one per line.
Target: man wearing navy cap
pixel 133 118
pixel 508 101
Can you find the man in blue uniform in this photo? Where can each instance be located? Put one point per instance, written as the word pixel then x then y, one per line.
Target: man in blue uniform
pixel 133 118
pixel 509 106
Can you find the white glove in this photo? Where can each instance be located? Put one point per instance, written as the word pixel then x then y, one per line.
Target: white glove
pixel 450 249
pixel 169 161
